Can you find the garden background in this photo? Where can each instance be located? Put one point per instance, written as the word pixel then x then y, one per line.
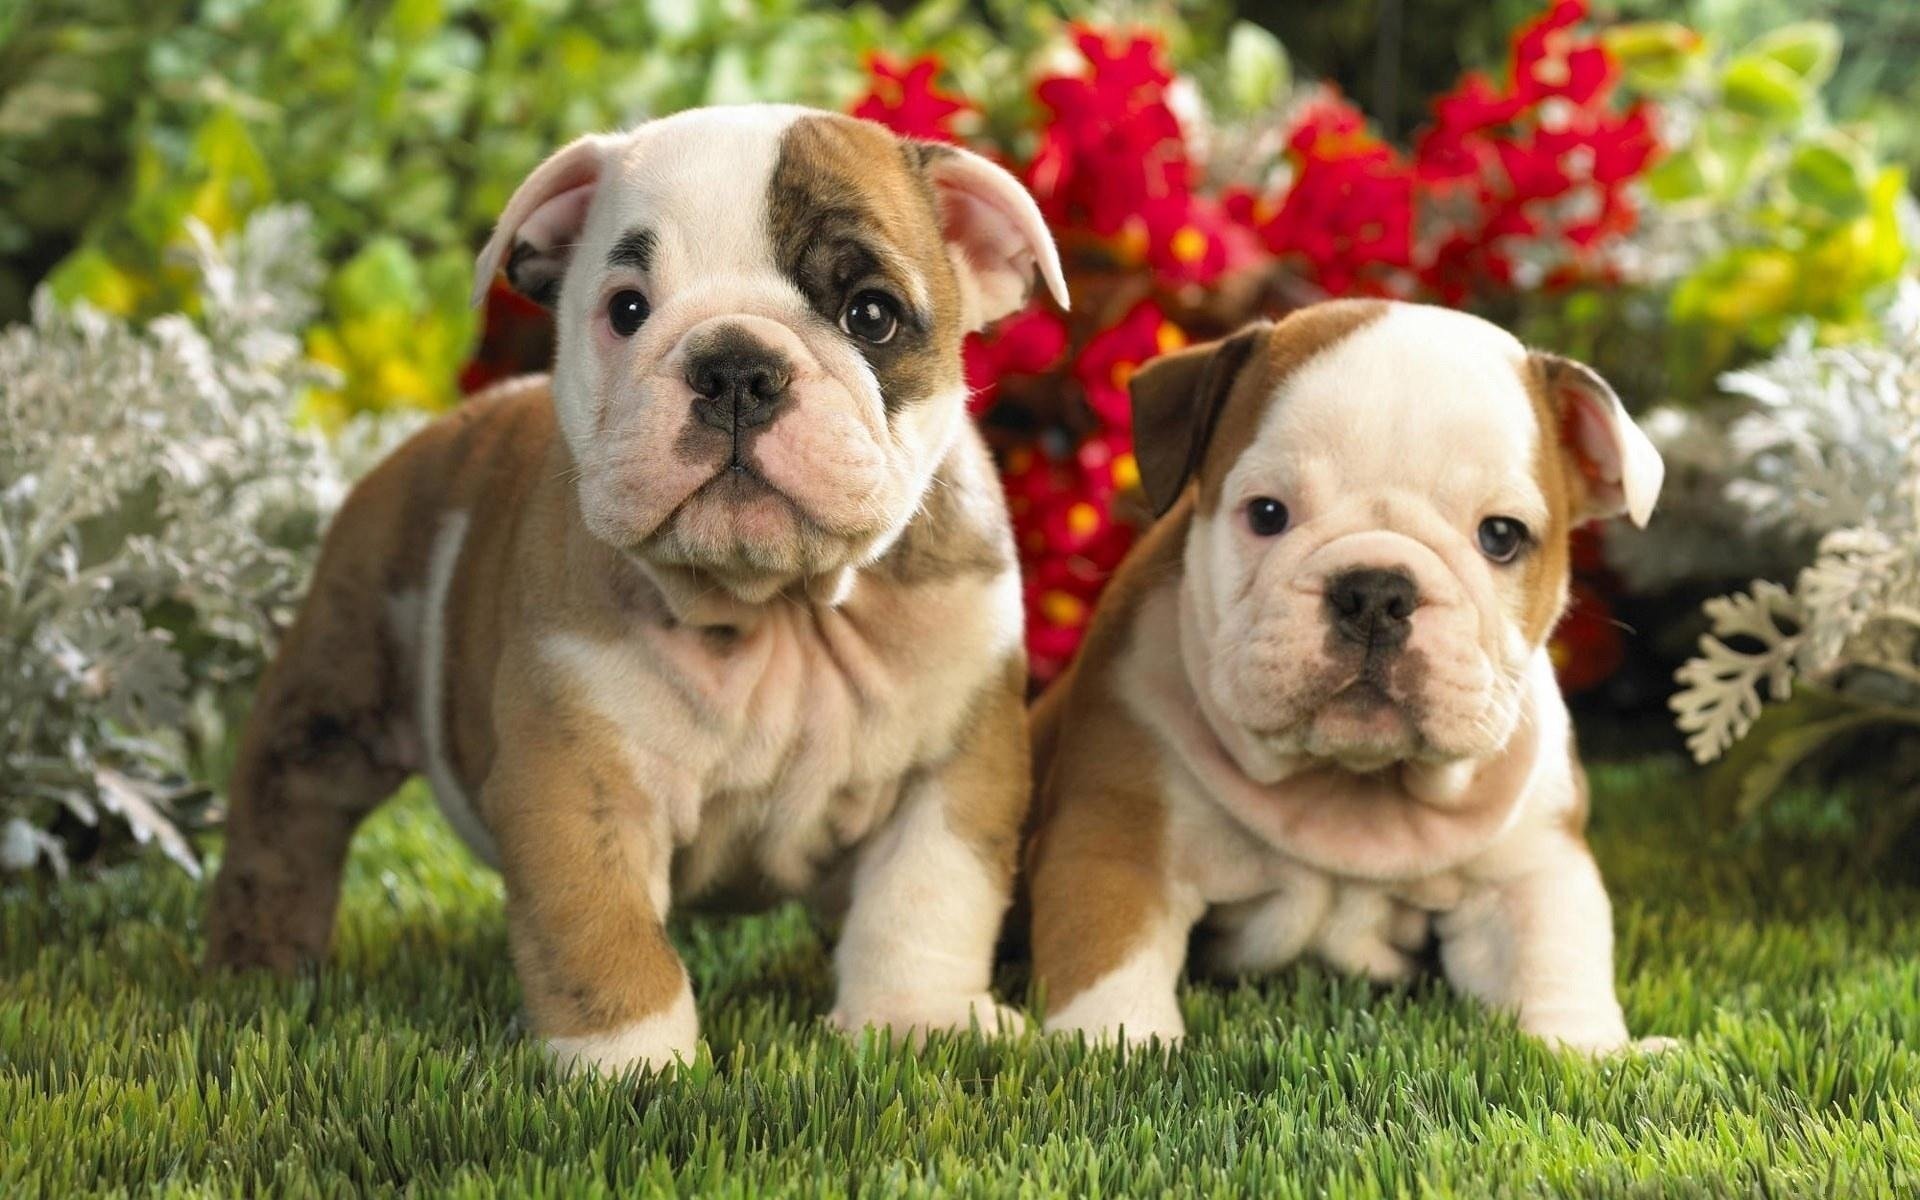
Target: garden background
pixel 235 245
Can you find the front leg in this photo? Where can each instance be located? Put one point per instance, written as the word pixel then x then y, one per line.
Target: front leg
pixel 1541 946
pixel 586 854
pixel 931 887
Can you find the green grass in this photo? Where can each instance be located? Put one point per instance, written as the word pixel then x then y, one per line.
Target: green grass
pixel 402 1066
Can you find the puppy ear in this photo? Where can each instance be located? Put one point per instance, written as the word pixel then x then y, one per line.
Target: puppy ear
pixel 537 232
pixel 995 234
pixel 1619 468
pixel 1177 400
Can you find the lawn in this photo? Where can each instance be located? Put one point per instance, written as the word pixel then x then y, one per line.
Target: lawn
pixel 402 1067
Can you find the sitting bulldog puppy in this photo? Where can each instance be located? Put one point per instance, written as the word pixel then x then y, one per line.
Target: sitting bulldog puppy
pixel 726 610
pixel 1315 710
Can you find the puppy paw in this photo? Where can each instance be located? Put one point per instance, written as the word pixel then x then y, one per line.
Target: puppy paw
pixel 1376 960
pixel 663 1040
pixel 913 1017
pixel 1653 1045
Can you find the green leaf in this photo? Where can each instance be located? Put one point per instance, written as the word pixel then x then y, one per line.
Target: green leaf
pixel 1831 176
pixel 383 277
pixel 1656 56
pixel 1787 735
pixel 1258 72
pixel 1809 49
pixel 1765 89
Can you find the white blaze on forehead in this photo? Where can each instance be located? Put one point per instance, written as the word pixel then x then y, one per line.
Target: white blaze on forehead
pixel 1424 400
pixel 698 181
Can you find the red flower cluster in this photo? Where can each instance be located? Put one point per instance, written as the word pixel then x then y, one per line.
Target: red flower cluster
pixel 1535 173
pixel 1348 211
pixel 1113 163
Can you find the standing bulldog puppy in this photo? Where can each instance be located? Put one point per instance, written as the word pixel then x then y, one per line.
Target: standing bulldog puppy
pixel 1315 710
pixel 728 608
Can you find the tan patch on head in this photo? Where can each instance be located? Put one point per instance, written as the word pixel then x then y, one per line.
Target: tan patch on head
pixel 1547 570
pixel 1295 341
pixel 849 209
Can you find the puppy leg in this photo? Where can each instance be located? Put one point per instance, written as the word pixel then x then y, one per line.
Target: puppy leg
pixel 586 859
pixel 1262 935
pixel 931 887
pixel 1541 946
pixel 1359 936
pixel 1109 927
pixel 321 749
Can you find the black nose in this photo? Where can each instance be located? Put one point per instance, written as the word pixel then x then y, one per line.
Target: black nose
pixel 737 383
pixel 1372 607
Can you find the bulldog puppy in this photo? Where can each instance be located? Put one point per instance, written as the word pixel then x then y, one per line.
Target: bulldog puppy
pixel 727 609
pixel 1315 710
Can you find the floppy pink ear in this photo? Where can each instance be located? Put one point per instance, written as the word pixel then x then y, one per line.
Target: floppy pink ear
pixel 541 223
pixel 1618 465
pixel 994 233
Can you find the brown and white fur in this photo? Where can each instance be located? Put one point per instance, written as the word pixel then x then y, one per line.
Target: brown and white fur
pixel 726 610
pixel 1257 739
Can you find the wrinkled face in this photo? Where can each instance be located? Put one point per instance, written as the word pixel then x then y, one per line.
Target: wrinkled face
pixel 1379 547
pixel 760 313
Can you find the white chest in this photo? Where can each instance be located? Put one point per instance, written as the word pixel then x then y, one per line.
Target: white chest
pixel 769 750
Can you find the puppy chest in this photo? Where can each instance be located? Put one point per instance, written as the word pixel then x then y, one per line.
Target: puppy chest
pixel 768 752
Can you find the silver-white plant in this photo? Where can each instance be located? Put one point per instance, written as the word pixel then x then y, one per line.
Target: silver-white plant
pixel 1829 450
pixel 159 508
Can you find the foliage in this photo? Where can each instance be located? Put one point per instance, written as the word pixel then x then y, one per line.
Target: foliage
pixel 158 514
pixel 399 1071
pixel 1829 449
pixel 1766 213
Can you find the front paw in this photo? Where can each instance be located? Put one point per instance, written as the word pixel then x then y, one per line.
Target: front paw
pixel 1599 1036
pixel 911 1017
pixel 664 1040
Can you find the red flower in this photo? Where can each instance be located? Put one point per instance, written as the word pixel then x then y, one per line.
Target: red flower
pixel 1587 647
pixel 1110 357
pixel 1028 343
pixel 903 97
pixel 1550 61
pixel 1349 212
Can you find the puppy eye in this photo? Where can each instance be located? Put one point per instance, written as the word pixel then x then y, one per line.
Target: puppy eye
pixel 1266 516
pixel 626 311
pixel 871 317
pixel 1503 538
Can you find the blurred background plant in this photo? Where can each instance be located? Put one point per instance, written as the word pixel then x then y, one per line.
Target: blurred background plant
pixel 159 510
pixel 1670 192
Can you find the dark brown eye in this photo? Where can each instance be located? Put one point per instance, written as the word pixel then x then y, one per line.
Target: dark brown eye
pixel 1503 538
pixel 1266 516
pixel 627 311
pixel 871 317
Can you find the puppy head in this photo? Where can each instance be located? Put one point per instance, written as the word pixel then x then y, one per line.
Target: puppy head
pixel 760 312
pixel 1380 541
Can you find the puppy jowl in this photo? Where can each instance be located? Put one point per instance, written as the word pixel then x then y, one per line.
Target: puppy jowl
pixel 726 607
pixel 1316 712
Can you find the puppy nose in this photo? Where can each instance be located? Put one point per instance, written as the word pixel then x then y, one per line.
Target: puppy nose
pixel 1373 607
pixel 737 383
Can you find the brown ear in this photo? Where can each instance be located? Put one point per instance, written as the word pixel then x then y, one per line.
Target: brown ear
pixel 1177 400
pixel 994 231
pixel 1619 468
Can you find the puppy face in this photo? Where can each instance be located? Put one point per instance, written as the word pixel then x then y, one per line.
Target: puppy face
pixel 760 311
pixel 1380 542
